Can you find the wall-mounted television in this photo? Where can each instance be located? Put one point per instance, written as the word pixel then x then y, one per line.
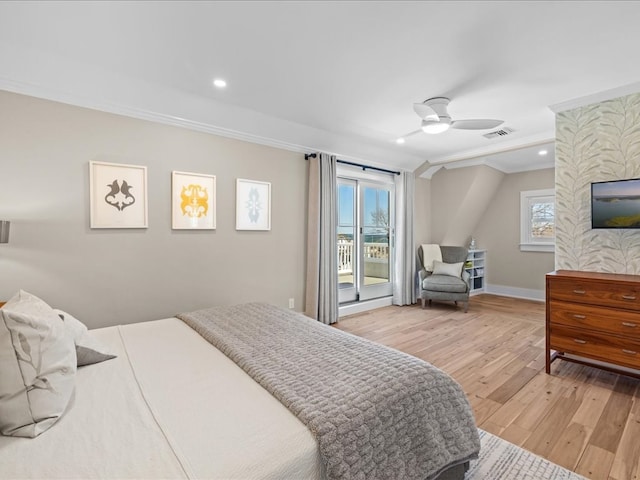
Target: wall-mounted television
pixel 615 204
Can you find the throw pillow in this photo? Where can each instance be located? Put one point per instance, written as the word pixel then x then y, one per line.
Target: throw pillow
pixel 451 269
pixel 37 366
pixel 88 349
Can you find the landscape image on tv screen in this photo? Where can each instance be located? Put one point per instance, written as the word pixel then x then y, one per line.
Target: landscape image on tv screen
pixel 615 204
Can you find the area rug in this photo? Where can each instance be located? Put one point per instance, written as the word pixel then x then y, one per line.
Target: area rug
pixel 501 460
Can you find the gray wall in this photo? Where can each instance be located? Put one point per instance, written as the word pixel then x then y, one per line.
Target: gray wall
pixel 498 232
pixel 481 201
pixel 459 197
pixel 108 277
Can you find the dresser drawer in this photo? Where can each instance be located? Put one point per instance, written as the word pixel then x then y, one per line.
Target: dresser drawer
pixel 607 320
pixel 607 348
pixel 617 295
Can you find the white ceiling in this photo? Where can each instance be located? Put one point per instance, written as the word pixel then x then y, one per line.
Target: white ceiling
pixel 331 76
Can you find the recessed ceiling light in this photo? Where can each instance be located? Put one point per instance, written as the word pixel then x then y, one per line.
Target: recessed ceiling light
pixel 218 82
pixel 542 152
pixel 400 141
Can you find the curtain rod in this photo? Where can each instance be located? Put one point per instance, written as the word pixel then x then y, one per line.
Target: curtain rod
pixel 307 156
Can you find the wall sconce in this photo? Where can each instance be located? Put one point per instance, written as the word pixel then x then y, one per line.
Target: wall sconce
pixel 4 231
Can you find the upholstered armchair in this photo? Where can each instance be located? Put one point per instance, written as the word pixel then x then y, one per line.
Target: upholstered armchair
pixel 442 280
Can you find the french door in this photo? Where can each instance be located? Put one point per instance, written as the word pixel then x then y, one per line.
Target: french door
pixel 365 239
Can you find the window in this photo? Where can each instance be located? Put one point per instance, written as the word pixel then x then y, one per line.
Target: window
pixel 537 220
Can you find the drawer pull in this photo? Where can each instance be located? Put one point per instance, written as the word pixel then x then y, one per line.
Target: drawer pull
pixel 579 317
pixel 629 324
pixel 629 352
pixel 579 292
pixel 579 341
pixel 629 297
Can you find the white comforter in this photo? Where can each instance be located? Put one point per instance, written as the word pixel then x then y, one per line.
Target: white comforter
pixel 170 406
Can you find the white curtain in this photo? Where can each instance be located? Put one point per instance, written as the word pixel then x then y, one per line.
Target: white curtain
pixel 321 300
pixel 404 290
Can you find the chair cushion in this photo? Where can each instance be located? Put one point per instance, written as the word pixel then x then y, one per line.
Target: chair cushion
pixel 444 283
pixel 453 269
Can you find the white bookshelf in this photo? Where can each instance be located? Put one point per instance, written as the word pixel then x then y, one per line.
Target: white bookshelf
pixel 476 266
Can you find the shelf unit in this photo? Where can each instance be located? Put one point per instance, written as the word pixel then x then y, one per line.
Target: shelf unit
pixel 475 265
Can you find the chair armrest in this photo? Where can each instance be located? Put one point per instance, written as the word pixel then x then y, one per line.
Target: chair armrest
pixel 466 277
pixel 423 274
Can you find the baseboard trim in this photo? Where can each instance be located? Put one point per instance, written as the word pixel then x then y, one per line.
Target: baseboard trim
pixel 364 306
pixel 516 292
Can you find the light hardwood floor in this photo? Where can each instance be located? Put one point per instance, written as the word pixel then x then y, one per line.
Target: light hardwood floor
pixel 582 418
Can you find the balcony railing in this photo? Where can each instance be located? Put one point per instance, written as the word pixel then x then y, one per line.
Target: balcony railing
pixel 373 253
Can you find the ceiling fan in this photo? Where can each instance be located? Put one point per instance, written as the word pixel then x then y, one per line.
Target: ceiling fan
pixel 436 119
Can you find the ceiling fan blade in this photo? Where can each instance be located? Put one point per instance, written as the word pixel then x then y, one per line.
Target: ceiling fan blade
pixel 425 111
pixel 477 124
pixel 415 132
pixel 410 134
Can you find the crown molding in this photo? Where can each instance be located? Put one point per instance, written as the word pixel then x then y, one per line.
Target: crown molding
pixel 506 146
pixel 596 98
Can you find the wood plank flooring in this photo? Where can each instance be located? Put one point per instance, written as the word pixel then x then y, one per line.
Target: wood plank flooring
pixel 580 417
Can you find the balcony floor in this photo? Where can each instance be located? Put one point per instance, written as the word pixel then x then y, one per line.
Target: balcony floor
pixel 345 280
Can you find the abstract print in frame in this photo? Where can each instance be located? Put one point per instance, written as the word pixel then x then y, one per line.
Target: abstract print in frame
pixel 253 205
pixel 118 195
pixel 193 201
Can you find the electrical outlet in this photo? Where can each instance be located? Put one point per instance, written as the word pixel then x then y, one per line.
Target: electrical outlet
pixel 291 303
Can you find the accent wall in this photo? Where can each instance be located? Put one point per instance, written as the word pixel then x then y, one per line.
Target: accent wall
pixel 594 143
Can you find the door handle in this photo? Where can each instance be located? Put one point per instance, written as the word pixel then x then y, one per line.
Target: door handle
pixel 579 292
pixel 629 297
pixel 629 324
pixel 579 317
pixel 581 342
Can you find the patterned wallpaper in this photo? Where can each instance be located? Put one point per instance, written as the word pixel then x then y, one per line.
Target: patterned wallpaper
pixel 598 142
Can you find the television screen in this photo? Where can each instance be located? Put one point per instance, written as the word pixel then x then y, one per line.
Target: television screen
pixel 615 204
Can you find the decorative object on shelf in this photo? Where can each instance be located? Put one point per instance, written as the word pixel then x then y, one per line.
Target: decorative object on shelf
pixel 253 205
pixel 4 231
pixel 472 245
pixel 193 201
pixel 118 195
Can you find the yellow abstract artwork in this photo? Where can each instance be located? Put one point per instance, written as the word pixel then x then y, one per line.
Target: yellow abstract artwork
pixel 195 201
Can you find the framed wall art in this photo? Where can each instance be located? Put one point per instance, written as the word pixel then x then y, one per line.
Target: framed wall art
pixel 193 201
pixel 253 205
pixel 117 195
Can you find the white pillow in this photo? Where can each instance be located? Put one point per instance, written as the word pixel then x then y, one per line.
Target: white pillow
pixel 88 349
pixel 451 269
pixel 37 366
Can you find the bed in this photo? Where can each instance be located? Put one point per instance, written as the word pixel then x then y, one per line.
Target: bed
pixel 172 405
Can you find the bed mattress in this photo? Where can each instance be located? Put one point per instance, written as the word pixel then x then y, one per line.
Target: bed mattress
pixel 169 406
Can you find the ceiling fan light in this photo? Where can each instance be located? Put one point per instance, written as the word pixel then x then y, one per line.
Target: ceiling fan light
pixel 436 126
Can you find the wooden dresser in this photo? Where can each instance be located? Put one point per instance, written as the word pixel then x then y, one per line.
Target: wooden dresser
pixel 595 316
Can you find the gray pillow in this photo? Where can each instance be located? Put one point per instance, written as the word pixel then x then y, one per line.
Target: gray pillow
pixel 37 366
pixel 451 269
pixel 88 349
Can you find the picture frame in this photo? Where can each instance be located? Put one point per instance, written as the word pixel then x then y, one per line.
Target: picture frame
pixel 253 205
pixel 118 195
pixel 193 201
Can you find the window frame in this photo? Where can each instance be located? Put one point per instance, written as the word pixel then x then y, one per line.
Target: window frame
pixel 527 242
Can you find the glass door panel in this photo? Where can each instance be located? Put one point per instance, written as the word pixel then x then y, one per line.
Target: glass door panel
pixel 376 241
pixel 347 241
